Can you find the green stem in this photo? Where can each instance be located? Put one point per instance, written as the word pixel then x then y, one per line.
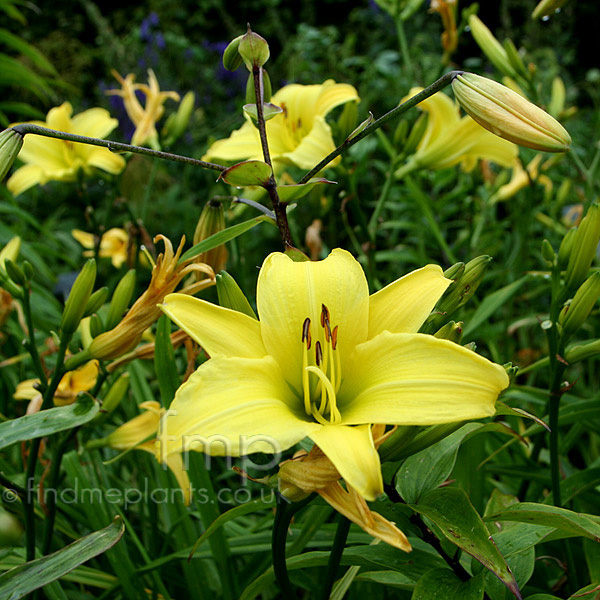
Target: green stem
pixel 31 345
pixel 25 128
pixel 438 85
pixel 339 543
pixel 404 50
pixel 385 192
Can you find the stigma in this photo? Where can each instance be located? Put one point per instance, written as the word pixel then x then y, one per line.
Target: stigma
pixel 322 361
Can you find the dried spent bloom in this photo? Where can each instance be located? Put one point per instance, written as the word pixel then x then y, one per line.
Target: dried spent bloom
pixel 143 117
pixel 114 244
pixel 166 275
pixel 50 159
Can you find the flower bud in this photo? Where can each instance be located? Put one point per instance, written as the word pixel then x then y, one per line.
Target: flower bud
pixel 557 99
pixel 455 271
pixel 585 243
pixel 96 326
pixel 251 92
pixel 231 296
pixel 97 299
pixel 548 253
pixel 113 397
pixel 465 286
pixel 10 251
pixel 508 115
pixel 582 350
pixel 514 58
pixel 450 331
pixel 490 46
pixel 253 49
pixel 120 299
pixel 78 297
pixel 212 220
pixel 574 315
pixel 14 272
pixel 10 145
pixel 546 8
pixel 178 122
pixel 231 56
pixel 564 251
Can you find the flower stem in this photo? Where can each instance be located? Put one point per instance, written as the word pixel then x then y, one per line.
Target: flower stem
pixel 278 207
pixel 339 542
pixel 25 128
pixel 438 85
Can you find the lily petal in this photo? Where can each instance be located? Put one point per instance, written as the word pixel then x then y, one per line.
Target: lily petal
pixel 23 178
pixel 219 330
pixel 233 406
pixel 352 452
pixel 415 379
pixel 403 306
pixel 314 147
pixel 94 122
pixel 288 292
pixel 104 159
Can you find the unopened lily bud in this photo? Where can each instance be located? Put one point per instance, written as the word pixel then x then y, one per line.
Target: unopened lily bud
pixel 582 350
pixel 27 270
pixel 563 191
pixel 450 331
pixel 401 133
pixel 253 49
pixel 97 299
pixel 212 220
pixel 113 397
pixel 455 271
pixel 15 272
pixel 508 115
pixel 463 288
pixel 78 297
pixel 231 296
pixel 120 299
pixel 564 251
pixel 232 59
pixel 514 58
pixel 490 46
pixel 10 251
pixel 291 492
pixel 548 253
pixel 416 133
pixel 557 100
pixel 546 8
pixel 177 122
pixel 96 326
pixel 584 247
pixel 10 145
pixel 575 314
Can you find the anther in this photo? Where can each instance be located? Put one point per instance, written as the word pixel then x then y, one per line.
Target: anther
pixel 319 354
pixel 306 333
pixel 324 315
pixel 334 337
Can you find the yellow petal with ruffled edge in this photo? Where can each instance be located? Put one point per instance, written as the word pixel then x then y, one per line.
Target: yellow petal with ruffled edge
pixel 233 406
pixel 333 95
pixel 415 379
pixel 45 152
pixel 353 454
pixel 403 306
pixel 288 292
pixel 94 122
pixel 220 331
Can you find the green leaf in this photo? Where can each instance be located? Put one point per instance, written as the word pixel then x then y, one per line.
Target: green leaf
pixel 247 173
pixel 289 193
pixel 451 510
pixel 491 303
pixel 551 516
pixel 21 46
pixel 426 470
pixel 22 580
pixel 388 578
pixel 542 597
pixel 220 238
pixel 442 584
pixel 164 362
pixel 47 422
pixel 585 593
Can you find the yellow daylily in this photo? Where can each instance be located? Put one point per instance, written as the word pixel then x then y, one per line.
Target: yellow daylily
pixel 450 139
pixel 82 379
pixel 299 135
pixel 143 117
pixel 521 178
pixel 114 244
pixel 324 361
pixel 49 159
pixel 135 434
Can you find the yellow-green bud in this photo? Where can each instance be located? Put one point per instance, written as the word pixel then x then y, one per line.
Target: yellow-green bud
pixel 508 115
pixel 27 269
pixel 10 251
pixel 253 49
pixel 231 56
pixel 211 221
pixel 573 316
pixel 582 350
pixel 10 144
pixel 450 331
pixel 113 397
pixel 401 133
pixel 178 122
pixel 78 297
pixel 557 100
pixel 563 191
pixel 416 133
pixel 584 247
pixel 564 251
pixel 455 271
pixel 514 58
pixel 97 299
pixel 231 296
pixel 548 253
pixel 96 326
pixel 465 286
pixel 546 8
pixel 14 272
pixel 490 46
pixel 120 299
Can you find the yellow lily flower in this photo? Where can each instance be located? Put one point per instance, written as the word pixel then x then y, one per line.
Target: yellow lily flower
pixel 324 361
pixel 143 117
pixel 49 159
pixel 521 178
pixel 450 139
pixel 82 379
pixel 114 244
pixel 299 135
pixel 133 433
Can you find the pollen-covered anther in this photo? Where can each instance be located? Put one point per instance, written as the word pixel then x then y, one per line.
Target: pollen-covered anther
pixel 318 354
pixel 306 338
